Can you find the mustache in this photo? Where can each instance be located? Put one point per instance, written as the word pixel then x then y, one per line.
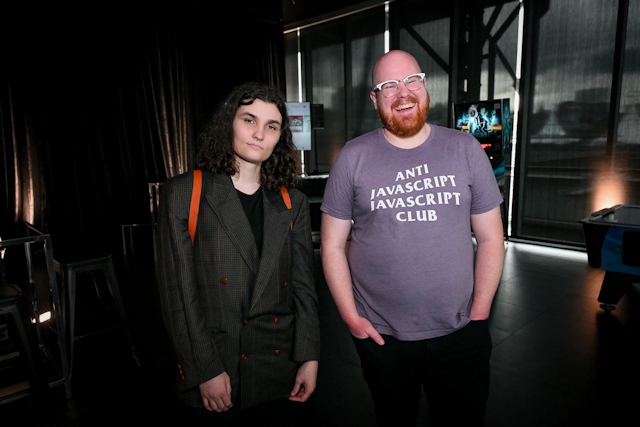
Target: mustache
pixel 399 102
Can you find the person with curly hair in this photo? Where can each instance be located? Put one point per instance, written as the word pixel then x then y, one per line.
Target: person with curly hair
pixel 239 301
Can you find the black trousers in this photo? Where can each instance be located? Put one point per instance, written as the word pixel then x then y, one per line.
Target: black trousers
pixel 453 370
pixel 279 413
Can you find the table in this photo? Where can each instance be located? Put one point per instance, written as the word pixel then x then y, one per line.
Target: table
pixel 612 237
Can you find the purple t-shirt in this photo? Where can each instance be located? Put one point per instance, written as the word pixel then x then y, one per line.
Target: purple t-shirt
pixel 411 254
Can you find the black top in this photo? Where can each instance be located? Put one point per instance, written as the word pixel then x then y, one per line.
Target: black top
pixel 254 209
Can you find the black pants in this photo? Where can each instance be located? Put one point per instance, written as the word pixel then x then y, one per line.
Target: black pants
pixel 453 369
pixel 279 413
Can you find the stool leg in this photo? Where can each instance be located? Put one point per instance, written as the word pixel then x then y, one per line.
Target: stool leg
pixel 58 305
pixel 71 313
pixel 29 340
pixel 117 298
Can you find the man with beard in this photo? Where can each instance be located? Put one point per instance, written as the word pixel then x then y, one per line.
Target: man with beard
pixel 412 290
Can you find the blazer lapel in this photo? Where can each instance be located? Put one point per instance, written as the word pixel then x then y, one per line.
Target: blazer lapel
pixel 225 203
pixel 277 219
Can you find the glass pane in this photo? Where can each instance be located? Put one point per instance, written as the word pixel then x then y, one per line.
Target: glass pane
pixel 291 66
pixel 573 63
pixel 501 55
pixel 625 174
pixel 367 45
pixel 506 48
pixel 436 34
pixel 324 54
pixel 342 90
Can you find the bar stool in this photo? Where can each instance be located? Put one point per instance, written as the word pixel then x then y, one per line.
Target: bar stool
pixel 12 302
pixel 69 272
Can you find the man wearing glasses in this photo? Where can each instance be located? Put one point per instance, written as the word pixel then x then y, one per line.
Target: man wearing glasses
pixel 414 293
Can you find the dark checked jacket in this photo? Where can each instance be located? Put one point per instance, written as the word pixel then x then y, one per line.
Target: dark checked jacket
pixel 225 307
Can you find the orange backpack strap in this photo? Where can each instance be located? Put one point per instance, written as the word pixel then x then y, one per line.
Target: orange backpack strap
pixel 287 201
pixel 285 197
pixel 195 203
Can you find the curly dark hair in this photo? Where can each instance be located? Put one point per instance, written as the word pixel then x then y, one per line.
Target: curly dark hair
pixel 216 154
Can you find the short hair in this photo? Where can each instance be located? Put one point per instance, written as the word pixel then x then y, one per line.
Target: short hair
pixel 215 143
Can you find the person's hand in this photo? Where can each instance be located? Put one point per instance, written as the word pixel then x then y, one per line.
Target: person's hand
pixel 361 328
pixel 216 393
pixel 305 381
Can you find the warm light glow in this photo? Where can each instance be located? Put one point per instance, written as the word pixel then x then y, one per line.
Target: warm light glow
pixel 44 317
pixel 609 188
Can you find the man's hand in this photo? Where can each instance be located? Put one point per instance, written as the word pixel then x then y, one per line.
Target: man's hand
pixel 216 393
pixel 335 234
pixel 305 381
pixel 361 328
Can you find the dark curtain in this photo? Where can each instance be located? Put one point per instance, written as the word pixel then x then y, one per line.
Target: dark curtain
pixel 95 104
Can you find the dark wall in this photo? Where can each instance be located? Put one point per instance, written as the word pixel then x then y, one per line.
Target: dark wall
pixel 80 106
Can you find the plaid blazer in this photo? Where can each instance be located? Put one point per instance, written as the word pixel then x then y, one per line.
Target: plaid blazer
pixel 225 307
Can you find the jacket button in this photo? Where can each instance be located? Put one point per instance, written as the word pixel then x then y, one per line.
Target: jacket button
pixel 285 284
pixel 244 356
pixel 245 322
pixel 276 353
pixel 276 320
pixel 223 281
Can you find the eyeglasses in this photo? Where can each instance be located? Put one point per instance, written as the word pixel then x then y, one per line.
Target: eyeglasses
pixel 390 87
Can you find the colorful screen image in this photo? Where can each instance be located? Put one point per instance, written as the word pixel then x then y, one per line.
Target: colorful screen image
pixel 297 123
pixel 485 120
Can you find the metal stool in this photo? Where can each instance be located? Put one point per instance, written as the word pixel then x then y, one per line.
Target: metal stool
pixel 12 302
pixel 69 272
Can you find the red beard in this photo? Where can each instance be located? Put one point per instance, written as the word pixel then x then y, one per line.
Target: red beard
pixel 408 126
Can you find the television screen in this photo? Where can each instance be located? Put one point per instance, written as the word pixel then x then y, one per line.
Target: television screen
pixel 488 121
pixel 300 117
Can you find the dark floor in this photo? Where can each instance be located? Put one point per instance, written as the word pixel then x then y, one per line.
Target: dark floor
pixel 558 359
